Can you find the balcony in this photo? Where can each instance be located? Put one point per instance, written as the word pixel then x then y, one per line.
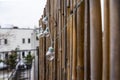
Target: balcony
pixel 15 66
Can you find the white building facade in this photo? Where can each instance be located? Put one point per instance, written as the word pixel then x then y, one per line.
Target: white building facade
pixel 18 38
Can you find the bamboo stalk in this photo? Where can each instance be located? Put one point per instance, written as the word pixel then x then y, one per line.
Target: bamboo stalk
pixel 74 73
pixel 68 45
pixel 106 44
pixel 71 46
pixel 71 40
pixel 95 40
pixel 114 39
pixel 80 42
pixel 87 42
pixel 62 27
pixel 65 40
pixel 60 44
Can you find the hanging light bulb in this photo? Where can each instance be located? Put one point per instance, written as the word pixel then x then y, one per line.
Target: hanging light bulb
pixel 40 28
pixel 45 20
pixel 40 34
pixel 46 32
pixel 36 31
pixel 50 54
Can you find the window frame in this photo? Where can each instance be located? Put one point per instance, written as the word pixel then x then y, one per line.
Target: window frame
pixel 0 41
pixel 5 41
pixel 29 40
pixel 23 40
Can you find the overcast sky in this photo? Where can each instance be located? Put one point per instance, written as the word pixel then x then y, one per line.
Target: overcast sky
pixel 21 13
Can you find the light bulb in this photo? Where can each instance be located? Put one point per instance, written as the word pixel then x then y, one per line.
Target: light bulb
pixel 50 54
pixel 41 29
pixel 40 35
pixel 37 31
pixel 45 20
pixel 46 32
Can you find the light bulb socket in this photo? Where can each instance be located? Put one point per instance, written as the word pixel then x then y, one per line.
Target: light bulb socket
pixel 50 55
pixel 40 35
pixel 46 32
pixel 51 49
pixel 45 20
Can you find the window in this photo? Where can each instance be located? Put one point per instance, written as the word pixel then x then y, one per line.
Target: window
pixel 23 54
pixel 29 40
pixel 23 40
pixel 29 52
pixel 37 38
pixel 5 41
pixel 6 55
pixel 0 41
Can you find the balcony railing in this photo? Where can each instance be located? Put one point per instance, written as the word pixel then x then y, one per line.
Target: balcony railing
pixel 19 65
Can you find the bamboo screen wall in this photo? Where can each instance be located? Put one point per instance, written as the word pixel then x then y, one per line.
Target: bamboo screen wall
pixel 82 50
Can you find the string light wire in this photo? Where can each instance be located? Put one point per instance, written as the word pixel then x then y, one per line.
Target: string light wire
pixel 65 26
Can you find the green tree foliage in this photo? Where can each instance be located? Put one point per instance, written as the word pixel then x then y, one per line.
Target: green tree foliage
pixel 28 59
pixel 11 61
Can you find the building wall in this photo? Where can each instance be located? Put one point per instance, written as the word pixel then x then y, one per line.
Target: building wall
pixel 15 39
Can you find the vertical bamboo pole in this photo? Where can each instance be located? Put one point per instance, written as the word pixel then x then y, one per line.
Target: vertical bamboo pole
pixel 48 75
pixel 68 44
pixel 50 71
pixel 47 42
pixel 106 48
pixel 80 42
pixel 87 42
pixel 60 44
pixel 63 59
pixel 74 73
pixel 55 35
pixel 65 40
pixel 40 53
pixel 44 52
pixel 71 40
pixel 56 55
pixel 114 39
pixel 71 46
pixel 51 27
pixel 60 37
pixel 95 40
pixel 53 68
pixel 40 56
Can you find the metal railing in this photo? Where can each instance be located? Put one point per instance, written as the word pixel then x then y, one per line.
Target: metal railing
pixel 19 65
